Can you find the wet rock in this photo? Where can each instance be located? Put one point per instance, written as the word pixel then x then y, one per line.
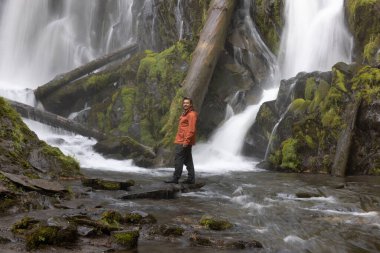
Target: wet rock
pixel 161 191
pixel 370 203
pixel 213 223
pixel 101 227
pixel 50 235
pixel 239 244
pixel 100 184
pixel 112 218
pixel 305 195
pixel 126 148
pixel 126 239
pixel 35 184
pixel 86 231
pixel 23 225
pixel 197 239
pixel 167 230
pixel 139 217
pixel 4 240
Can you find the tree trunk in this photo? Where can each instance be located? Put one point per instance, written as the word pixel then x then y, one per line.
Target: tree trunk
pixel 54 120
pixel 45 90
pixel 204 59
pixel 206 54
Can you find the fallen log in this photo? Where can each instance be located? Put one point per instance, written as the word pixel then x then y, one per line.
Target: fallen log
pixel 54 120
pixel 206 54
pixel 44 90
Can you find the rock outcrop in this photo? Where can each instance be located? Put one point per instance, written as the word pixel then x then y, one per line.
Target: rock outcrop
pixel 327 123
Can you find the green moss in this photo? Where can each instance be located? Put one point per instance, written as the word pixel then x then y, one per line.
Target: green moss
pixel 320 93
pixel 269 21
pixel 42 236
pixel 23 225
pixel 371 53
pixel 128 239
pixel 214 224
pixel 7 202
pixel 374 171
pixel 310 88
pixel 133 218
pixel 170 127
pixel 299 106
pixel 112 218
pixel 127 95
pixel 339 80
pixel 366 83
pixel 363 21
pixel 290 159
pixel 68 166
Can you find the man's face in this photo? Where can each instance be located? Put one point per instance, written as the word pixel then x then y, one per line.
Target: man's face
pixel 186 104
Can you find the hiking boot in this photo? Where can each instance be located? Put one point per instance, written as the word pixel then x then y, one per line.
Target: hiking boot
pixel 171 181
pixel 189 181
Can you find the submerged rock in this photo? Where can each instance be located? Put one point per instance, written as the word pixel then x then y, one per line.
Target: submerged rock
pixel 213 223
pixel 167 230
pixel 161 191
pixel 100 184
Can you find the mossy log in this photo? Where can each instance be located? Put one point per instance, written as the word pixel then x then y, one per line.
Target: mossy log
pixel 45 90
pixel 205 56
pixel 54 120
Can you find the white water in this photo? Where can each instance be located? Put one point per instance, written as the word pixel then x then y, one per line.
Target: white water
pixel 315 36
pixel 42 38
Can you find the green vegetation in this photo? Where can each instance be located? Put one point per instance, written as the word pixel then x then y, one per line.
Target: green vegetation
pixel 214 224
pixel 269 21
pixel 128 239
pixel 365 26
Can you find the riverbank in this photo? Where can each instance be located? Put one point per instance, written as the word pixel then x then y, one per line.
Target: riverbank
pixel 284 212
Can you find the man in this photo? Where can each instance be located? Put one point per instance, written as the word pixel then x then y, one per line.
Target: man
pixel 184 141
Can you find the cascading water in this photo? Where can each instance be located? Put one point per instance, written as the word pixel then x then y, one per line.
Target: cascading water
pixel 42 38
pixel 315 36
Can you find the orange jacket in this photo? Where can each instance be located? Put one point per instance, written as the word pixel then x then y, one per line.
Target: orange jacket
pixel 186 128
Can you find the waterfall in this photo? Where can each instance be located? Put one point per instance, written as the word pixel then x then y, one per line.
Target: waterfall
pixel 315 36
pixel 222 151
pixel 42 38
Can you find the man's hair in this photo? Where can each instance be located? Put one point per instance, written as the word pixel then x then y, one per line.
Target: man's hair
pixel 187 98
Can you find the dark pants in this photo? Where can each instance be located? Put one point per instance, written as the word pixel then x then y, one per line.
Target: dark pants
pixel 183 156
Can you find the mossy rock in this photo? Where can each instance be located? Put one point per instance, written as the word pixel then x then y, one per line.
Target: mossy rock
pixel 101 184
pixel 50 235
pixel 126 239
pixel 112 218
pixel 18 142
pixel 24 225
pixel 138 217
pixel 214 224
pixel 167 230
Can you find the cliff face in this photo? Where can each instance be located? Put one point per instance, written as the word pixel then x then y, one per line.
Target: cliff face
pixel 364 23
pixel 327 122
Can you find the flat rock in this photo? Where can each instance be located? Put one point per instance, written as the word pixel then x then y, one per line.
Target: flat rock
pixel 35 184
pixel 161 191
